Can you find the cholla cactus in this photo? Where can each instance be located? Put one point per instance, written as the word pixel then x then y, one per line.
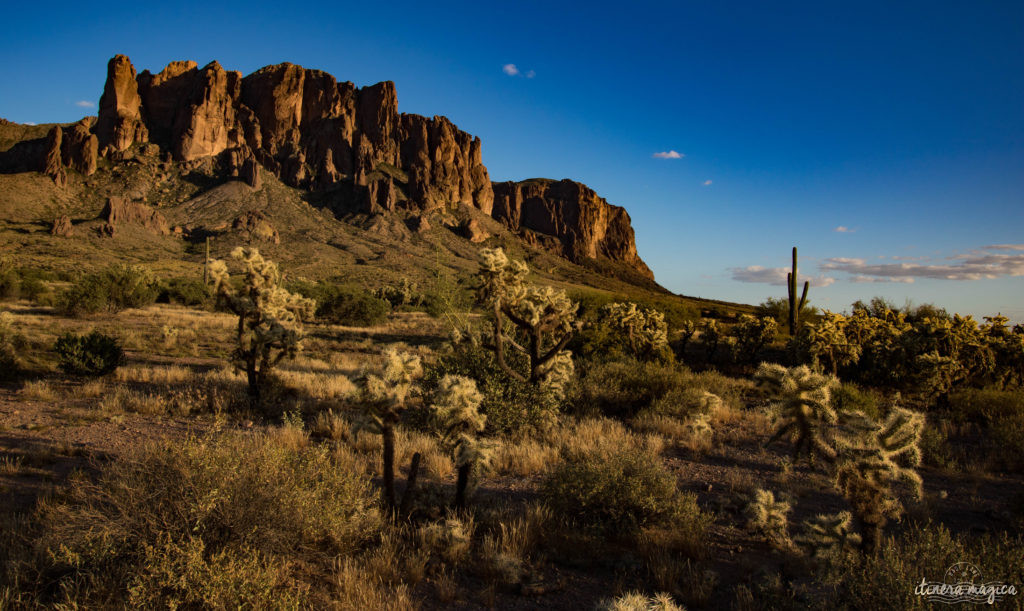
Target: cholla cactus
pixel 753 334
pixel 405 292
pixel 872 457
pixel 385 396
pixel 269 317
pixel 828 534
pixel 644 328
pixel 687 329
pixel 803 403
pixel 769 517
pixel 458 420
pixel 547 317
pixel 826 343
pixel 635 601
pixel 710 335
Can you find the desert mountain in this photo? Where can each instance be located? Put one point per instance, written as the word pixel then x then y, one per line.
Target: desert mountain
pixel 170 151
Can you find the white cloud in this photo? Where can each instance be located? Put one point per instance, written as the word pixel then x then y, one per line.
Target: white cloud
pixel 510 69
pixel 977 265
pixel 707 183
pixel 85 104
pixel 29 123
pixel 530 74
pixel 843 229
pixel 1003 247
pixel 861 279
pixel 773 275
pixel 668 155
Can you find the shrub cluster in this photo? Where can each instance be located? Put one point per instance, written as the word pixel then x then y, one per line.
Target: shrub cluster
pixel 94 354
pixel 345 305
pixel 620 491
pixel 112 290
pixel 208 523
pixel 934 354
pixel 185 291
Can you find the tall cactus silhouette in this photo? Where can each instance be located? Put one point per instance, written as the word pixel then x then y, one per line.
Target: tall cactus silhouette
pixel 794 305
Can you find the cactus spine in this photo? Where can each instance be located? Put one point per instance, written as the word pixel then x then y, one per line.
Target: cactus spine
pixel 794 305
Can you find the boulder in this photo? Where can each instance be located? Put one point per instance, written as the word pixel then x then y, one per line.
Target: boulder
pixel 62 227
pixel 255 227
pixel 120 211
pixel 474 231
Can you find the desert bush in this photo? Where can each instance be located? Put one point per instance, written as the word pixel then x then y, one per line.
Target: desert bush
pixel 627 387
pixel 752 335
pixel 350 306
pixel 11 344
pixel 405 293
pixel 619 491
pixel 269 317
pixel 778 310
pixel 185 291
pixel 201 524
pixel 887 580
pixel 635 601
pixel 112 290
pixel 984 406
pixel 93 354
pixel 1007 435
pixel 848 397
pixel 511 406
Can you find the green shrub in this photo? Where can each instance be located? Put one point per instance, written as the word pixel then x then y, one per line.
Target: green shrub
pixel 618 492
pixel 219 522
pixel 10 284
pixel 94 354
pixel 185 291
pixel 985 406
pixel 1007 435
pixel 887 579
pixel 11 343
pixel 626 387
pixel 512 407
pixel 349 306
pixel 848 397
pixel 112 290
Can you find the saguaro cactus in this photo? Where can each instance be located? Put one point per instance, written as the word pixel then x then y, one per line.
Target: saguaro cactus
pixel 794 305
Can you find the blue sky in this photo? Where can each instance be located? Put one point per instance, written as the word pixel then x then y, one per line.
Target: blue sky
pixel 902 123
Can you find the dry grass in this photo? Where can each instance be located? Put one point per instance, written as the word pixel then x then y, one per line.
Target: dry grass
pixel 601 435
pixel 156 374
pixel 121 399
pixel 40 390
pixel 321 386
pixel 525 458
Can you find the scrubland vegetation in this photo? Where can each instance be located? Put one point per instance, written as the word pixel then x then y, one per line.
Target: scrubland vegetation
pixel 268 443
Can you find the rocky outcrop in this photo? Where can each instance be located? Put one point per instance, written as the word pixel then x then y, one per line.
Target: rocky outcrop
pixel 52 165
pixel 255 227
pixel 585 224
pixel 120 211
pixel 120 116
pixel 62 227
pixel 80 147
pixel 473 231
pixel 314 132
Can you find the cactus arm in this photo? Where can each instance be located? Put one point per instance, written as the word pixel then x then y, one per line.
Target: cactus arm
pixel 803 298
pixel 499 345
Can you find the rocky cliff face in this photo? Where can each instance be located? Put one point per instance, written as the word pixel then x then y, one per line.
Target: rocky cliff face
pixel 316 133
pixel 585 224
